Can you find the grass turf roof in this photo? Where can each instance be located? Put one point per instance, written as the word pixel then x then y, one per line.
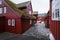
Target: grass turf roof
pixel 33 17
pixel 12 5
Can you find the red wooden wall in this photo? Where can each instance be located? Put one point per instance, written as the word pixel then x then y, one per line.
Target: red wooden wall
pixel 47 21
pixel 12 14
pixel 54 25
pixel 20 26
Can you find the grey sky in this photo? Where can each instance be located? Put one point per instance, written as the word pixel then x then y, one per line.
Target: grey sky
pixel 42 6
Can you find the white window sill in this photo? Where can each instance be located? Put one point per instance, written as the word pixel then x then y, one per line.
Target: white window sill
pixel 55 19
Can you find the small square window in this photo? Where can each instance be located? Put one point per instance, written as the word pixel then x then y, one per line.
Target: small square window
pixel 29 12
pixel 9 22
pixel 13 22
pixel 5 9
pixel 0 10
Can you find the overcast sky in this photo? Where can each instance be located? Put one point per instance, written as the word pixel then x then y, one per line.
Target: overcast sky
pixel 42 6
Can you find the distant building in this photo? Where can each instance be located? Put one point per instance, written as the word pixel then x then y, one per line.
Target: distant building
pixel 41 17
pixel 41 14
pixel 26 7
pixel 35 13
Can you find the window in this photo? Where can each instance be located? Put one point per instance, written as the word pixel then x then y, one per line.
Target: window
pixel 0 10
pixel 13 22
pixel 4 9
pixel 29 12
pixel 0 1
pixel 9 22
pixel 30 21
pixel 55 14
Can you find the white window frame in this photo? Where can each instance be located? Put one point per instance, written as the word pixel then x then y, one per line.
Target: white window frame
pixel 30 21
pixel 5 9
pixel 13 22
pixel 55 15
pixel 0 2
pixel 55 7
pixel 9 22
pixel 1 10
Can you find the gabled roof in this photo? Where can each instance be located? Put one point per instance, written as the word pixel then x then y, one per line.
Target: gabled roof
pixel 13 6
pixel 22 4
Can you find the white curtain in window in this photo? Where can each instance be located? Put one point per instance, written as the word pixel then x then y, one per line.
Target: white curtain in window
pixel 9 22
pixel 13 22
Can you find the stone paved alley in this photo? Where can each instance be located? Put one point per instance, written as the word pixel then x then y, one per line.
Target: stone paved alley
pixel 38 31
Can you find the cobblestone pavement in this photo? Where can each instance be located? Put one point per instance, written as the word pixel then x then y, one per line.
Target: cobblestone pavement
pixel 39 31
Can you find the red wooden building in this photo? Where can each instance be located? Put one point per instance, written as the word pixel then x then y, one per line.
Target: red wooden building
pixel 35 13
pixel 11 17
pixel 54 18
pixel 27 8
pixel 46 19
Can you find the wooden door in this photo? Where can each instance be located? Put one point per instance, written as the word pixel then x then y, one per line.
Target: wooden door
pixel 2 26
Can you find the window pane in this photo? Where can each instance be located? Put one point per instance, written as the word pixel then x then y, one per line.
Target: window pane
pixel 53 15
pixel 0 1
pixel 13 22
pixel 4 9
pixel 0 10
pixel 58 13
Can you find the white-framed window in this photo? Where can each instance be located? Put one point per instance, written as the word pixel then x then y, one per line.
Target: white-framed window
pixel 9 22
pixel 13 22
pixel 56 10
pixel 0 1
pixel 5 9
pixel 1 10
pixel 55 14
pixel 30 12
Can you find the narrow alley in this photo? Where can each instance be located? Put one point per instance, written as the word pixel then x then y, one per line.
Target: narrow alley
pixel 29 20
pixel 38 31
